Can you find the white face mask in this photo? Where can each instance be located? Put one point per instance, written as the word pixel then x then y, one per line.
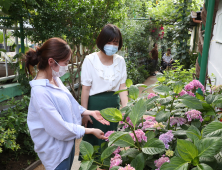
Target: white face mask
pixel 61 72
pixel 110 49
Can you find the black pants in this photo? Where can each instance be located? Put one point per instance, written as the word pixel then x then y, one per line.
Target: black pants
pixel 166 64
pixel 154 63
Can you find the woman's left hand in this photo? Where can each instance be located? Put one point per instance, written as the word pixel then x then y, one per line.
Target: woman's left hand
pixel 96 114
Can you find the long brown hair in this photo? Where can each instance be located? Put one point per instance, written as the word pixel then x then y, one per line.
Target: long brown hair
pixel 55 48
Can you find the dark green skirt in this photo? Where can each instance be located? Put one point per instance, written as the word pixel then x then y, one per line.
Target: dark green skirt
pixel 99 102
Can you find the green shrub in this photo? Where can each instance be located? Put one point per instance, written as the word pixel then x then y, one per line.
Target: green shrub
pixel 14 129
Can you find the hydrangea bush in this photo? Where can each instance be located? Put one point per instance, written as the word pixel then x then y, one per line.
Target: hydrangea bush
pixel 172 128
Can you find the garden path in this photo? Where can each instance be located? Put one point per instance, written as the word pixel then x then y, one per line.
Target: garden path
pixel 76 164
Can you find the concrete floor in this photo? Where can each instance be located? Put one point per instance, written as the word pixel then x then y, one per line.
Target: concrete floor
pixel 76 163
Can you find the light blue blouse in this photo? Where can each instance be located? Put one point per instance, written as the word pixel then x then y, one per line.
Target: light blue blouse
pixel 54 121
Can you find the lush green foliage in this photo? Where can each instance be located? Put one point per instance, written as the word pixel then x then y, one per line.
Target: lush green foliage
pixel 14 129
pixel 136 74
pixel 178 73
pixel 195 143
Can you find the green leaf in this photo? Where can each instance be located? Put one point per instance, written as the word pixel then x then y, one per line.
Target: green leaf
pixel 210 98
pixel 218 157
pixel 107 152
pixel 129 83
pixel 86 149
pixel 152 100
pixel 179 133
pixel 131 152
pixel 124 141
pixel 115 167
pixel 85 165
pixel 150 135
pixel 93 167
pixel 200 97
pixel 213 129
pixel 187 150
pixel 202 166
pixel 196 123
pixel 153 146
pixel 152 85
pixel 176 163
pixel 162 116
pixel 209 147
pixel 193 133
pixel 178 86
pixel 218 99
pixel 138 111
pixel 111 114
pixel 191 102
pixel 115 136
pixel 163 90
pixel 161 79
pixel 133 92
pixel 119 91
pixel 141 85
pixel 165 101
pixel 138 162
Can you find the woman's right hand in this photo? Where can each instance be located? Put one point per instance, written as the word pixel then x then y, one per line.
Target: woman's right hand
pixel 96 132
pixel 85 120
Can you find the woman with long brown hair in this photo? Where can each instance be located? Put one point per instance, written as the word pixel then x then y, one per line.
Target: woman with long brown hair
pixel 54 116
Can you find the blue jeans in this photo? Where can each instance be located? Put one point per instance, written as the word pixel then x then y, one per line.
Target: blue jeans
pixel 66 164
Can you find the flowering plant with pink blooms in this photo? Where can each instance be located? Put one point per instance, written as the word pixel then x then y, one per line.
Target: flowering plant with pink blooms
pixel 173 127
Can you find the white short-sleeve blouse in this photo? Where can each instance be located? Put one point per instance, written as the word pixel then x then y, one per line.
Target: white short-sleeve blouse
pixel 103 78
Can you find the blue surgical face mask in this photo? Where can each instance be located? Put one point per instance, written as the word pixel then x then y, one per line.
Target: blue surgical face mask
pixel 110 49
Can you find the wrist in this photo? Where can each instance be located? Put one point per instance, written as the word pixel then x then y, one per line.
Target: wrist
pixel 88 130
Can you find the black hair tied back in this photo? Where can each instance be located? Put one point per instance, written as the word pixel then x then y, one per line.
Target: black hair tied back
pixel 32 58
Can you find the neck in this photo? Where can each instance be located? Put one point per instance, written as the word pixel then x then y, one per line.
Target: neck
pixel 105 59
pixel 45 74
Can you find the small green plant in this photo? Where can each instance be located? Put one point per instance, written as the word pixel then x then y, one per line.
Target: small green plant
pixel 8 139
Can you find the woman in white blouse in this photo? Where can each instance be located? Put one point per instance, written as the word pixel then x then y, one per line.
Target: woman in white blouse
pixel 54 116
pixel 103 73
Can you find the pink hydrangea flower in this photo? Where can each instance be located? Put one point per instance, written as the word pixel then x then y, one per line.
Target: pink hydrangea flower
pixel 151 95
pixel 116 161
pixel 118 150
pixel 108 133
pixel 128 167
pixel 195 84
pixel 183 92
pixel 149 123
pixel 159 162
pixel 140 135
pixel 191 93
pixel 166 138
pixel 129 121
pixel 194 114
pixel 177 120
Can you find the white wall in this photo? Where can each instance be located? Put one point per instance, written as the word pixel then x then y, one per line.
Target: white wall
pixel 215 52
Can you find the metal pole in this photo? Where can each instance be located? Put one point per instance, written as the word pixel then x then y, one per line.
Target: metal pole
pixel 22 37
pixel 206 45
pixel 6 67
pixel 4 38
pixel 16 41
pixel 26 41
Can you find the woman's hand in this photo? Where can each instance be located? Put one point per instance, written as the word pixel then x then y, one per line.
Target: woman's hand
pixel 85 120
pixel 96 132
pixel 96 114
